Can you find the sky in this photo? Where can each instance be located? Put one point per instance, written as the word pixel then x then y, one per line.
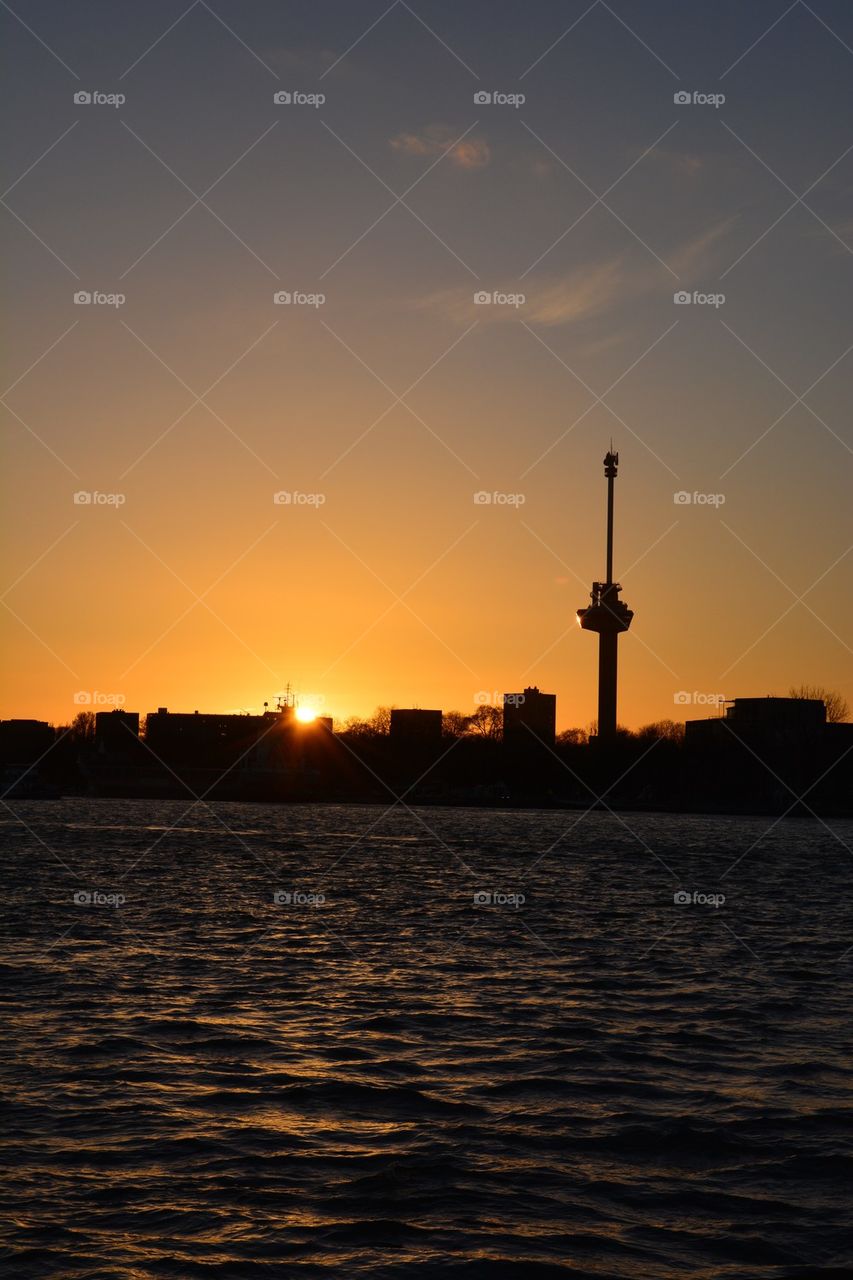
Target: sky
pixel 442 456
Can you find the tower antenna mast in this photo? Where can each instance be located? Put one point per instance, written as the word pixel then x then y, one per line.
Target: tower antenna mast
pixel 609 616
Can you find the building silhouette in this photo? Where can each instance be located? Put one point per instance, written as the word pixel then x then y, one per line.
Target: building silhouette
pixel 530 718
pixel 412 727
pixel 116 730
pixel 23 741
pixel 765 724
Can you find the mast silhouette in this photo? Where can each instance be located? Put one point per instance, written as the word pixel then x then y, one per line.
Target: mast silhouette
pixel 609 616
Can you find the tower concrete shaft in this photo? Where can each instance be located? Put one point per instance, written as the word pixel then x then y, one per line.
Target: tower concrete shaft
pixel 608 615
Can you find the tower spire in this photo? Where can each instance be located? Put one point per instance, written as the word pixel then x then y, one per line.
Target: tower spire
pixel 609 616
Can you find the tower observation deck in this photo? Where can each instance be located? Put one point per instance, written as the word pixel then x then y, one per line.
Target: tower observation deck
pixel 609 616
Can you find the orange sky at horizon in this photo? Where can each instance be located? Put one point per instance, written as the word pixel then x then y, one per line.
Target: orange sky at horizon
pixel 399 397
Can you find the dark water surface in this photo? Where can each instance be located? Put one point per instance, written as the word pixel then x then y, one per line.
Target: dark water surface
pixel 397 1081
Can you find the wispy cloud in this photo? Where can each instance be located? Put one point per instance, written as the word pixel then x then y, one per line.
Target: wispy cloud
pixel 470 153
pixel 586 293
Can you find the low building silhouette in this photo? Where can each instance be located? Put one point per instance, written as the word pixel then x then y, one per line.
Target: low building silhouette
pixel 412 727
pixel 116 731
pixel 530 718
pixel 768 754
pixel 24 741
pixel 763 723
pixel 194 738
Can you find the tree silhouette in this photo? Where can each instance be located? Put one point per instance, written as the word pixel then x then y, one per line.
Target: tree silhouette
pixel 837 709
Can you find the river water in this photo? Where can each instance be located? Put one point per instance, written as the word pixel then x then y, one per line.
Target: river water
pixel 248 1041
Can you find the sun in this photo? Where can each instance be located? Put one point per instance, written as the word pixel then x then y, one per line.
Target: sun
pixel 305 714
